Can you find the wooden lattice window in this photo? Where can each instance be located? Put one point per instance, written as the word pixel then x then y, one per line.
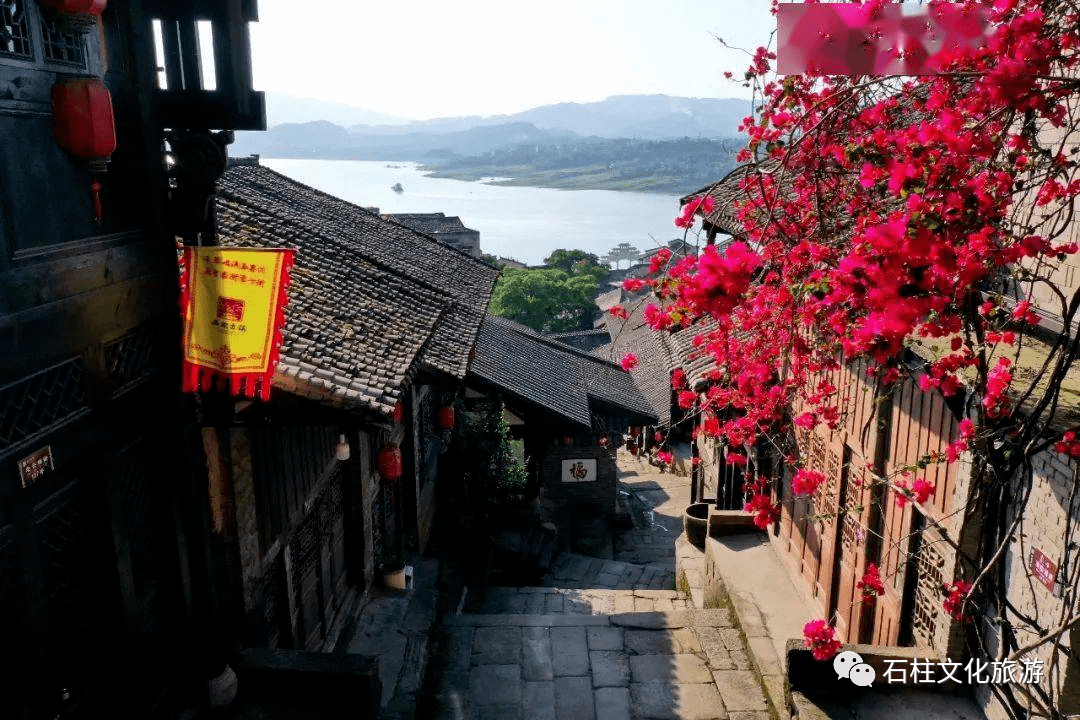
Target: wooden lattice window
pixel 40 403
pixel 929 581
pixel 132 358
pixel 14 30
pixel 61 45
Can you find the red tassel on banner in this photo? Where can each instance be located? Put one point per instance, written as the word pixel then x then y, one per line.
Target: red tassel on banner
pixel 211 359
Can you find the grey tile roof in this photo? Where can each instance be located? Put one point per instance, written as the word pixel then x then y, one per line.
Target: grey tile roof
pixel 658 354
pixel 725 192
pixel 561 379
pixel 427 223
pixel 411 259
pixel 346 339
pixel 587 340
pixel 609 299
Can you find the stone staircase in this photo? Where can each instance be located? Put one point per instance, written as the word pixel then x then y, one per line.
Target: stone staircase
pixel 577 653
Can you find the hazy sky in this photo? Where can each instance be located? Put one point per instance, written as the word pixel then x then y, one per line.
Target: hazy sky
pixel 424 59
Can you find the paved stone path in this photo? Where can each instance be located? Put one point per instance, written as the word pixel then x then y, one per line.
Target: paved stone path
pixel 604 639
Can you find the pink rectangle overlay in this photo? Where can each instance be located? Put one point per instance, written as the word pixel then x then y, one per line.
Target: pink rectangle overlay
pixel 893 39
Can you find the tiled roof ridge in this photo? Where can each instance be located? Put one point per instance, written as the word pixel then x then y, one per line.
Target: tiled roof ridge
pixel 548 340
pixel 384 267
pixel 575 333
pixel 320 375
pixel 387 218
pixel 337 200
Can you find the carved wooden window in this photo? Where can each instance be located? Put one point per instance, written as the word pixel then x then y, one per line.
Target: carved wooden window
pixel 929 582
pixel 14 30
pixel 61 45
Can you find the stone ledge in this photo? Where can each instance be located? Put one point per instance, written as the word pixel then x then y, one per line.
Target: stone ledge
pixel 572 620
pixel 722 586
pixel 322 683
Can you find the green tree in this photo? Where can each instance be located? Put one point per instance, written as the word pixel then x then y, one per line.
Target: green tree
pixel 492 260
pixel 571 261
pixel 545 299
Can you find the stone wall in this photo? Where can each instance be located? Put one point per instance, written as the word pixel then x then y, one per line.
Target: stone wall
pixel 578 508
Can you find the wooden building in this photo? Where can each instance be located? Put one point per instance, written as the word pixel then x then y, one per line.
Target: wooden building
pixel 105 598
pixel 575 407
pixel 828 540
pixel 380 317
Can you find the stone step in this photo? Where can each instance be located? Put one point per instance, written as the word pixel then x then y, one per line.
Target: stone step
pixel 647 620
pixel 685 665
pixel 571 601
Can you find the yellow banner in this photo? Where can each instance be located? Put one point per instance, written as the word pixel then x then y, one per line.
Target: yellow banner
pixel 232 305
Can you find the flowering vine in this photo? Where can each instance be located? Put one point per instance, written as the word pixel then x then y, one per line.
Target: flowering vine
pixel 882 215
pixel 821 640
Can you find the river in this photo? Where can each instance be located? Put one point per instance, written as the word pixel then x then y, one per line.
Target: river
pixel 522 223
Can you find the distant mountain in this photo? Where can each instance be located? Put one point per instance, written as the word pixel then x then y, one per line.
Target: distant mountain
pixel 326 140
pixel 625 142
pixel 645 117
pixel 281 109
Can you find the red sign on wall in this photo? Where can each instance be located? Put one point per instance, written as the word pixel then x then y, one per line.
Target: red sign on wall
pixel 1044 569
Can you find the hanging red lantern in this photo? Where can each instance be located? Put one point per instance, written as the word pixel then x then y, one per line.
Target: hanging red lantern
pixel 85 126
pixel 398 414
pixel 633 449
pixel 389 463
pixel 446 417
pixel 635 429
pixel 75 7
pixel 567 440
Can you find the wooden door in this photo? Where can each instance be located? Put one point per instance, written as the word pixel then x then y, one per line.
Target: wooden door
pixel 60 604
pixel 853 617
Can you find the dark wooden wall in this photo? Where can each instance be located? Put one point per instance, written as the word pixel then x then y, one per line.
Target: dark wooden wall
pixel 92 611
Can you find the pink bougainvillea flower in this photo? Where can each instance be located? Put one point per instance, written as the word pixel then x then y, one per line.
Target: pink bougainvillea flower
pixel 633 284
pixel 1025 312
pixel 957 592
pixel 665 457
pixel 686 399
pixel 807 482
pixel 922 490
pixel 765 511
pixel 820 638
pixel 967 428
pixel 736 458
pixel 659 260
pixel 686 218
pixel 629 362
pixel 1069 444
pixel 871 585
pixel 678 379
pixel 618 311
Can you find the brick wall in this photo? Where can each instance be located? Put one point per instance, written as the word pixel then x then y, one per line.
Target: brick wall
pixel 1044 527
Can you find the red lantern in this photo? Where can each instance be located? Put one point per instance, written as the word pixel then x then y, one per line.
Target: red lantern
pixel 83 118
pixel 389 463
pixel 75 7
pixel 567 440
pixel 633 449
pixel 398 415
pixel 603 441
pixel 446 417
pixel 635 429
pixel 84 125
